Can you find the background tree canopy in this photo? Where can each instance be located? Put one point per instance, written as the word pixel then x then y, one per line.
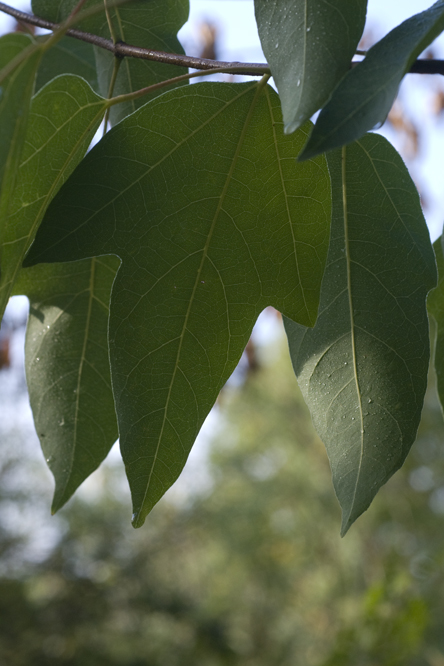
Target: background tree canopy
pixel 148 259
pixel 248 569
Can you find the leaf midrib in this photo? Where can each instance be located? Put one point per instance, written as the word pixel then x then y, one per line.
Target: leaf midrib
pixel 259 89
pixel 403 62
pixel 80 371
pixel 352 323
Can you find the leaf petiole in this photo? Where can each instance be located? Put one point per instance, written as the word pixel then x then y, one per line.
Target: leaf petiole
pixel 128 97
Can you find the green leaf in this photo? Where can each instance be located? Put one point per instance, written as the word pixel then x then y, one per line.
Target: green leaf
pixel 435 304
pixel 364 97
pixel 63 119
pixel 68 56
pixel 91 16
pixel 67 366
pixel 15 94
pixel 152 25
pixel 64 116
pixel 19 59
pixel 200 196
pixel 309 45
pixel 363 368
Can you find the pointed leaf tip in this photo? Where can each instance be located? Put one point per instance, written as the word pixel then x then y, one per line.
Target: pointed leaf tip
pixel 365 95
pixel 307 59
pixel 363 367
pixel 214 221
pixel 67 367
pixel 344 528
pixel 138 519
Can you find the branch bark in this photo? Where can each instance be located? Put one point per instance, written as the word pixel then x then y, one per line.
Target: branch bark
pixel 122 50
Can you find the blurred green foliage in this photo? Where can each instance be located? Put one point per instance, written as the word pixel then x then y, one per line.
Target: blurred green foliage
pixel 251 572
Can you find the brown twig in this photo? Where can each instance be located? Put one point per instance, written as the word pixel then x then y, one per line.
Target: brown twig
pixel 121 49
pixel 423 66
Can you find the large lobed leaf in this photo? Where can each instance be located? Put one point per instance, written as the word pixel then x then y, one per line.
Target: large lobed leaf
pixel 200 196
pixel 67 366
pixel 67 360
pixel 309 45
pixel 363 368
pixel 152 25
pixel 364 97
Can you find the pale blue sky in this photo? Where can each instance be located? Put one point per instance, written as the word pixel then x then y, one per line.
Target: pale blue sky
pixel 238 28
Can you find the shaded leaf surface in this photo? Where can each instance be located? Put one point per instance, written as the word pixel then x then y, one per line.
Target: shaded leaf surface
pixel 435 304
pixel 363 367
pixel 364 97
pixel 67 366
pixel 309 45
pixel 16 91
pixel 152 25
pixel 68 56
pixel 200 196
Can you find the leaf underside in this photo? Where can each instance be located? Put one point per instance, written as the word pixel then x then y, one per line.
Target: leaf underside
pixel 307 59
pixel 67 366
pixel 364 97
pixel 363 367
pixel 210 220
pixel 200 196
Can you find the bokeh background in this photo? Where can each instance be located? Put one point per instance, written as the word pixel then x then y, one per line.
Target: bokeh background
pixel 241 563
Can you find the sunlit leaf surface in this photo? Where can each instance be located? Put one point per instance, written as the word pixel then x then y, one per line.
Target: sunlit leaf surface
pixel 16 88
pixel 64 117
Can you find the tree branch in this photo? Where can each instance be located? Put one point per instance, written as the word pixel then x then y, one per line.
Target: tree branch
pixel 122 50
pixel 427 66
